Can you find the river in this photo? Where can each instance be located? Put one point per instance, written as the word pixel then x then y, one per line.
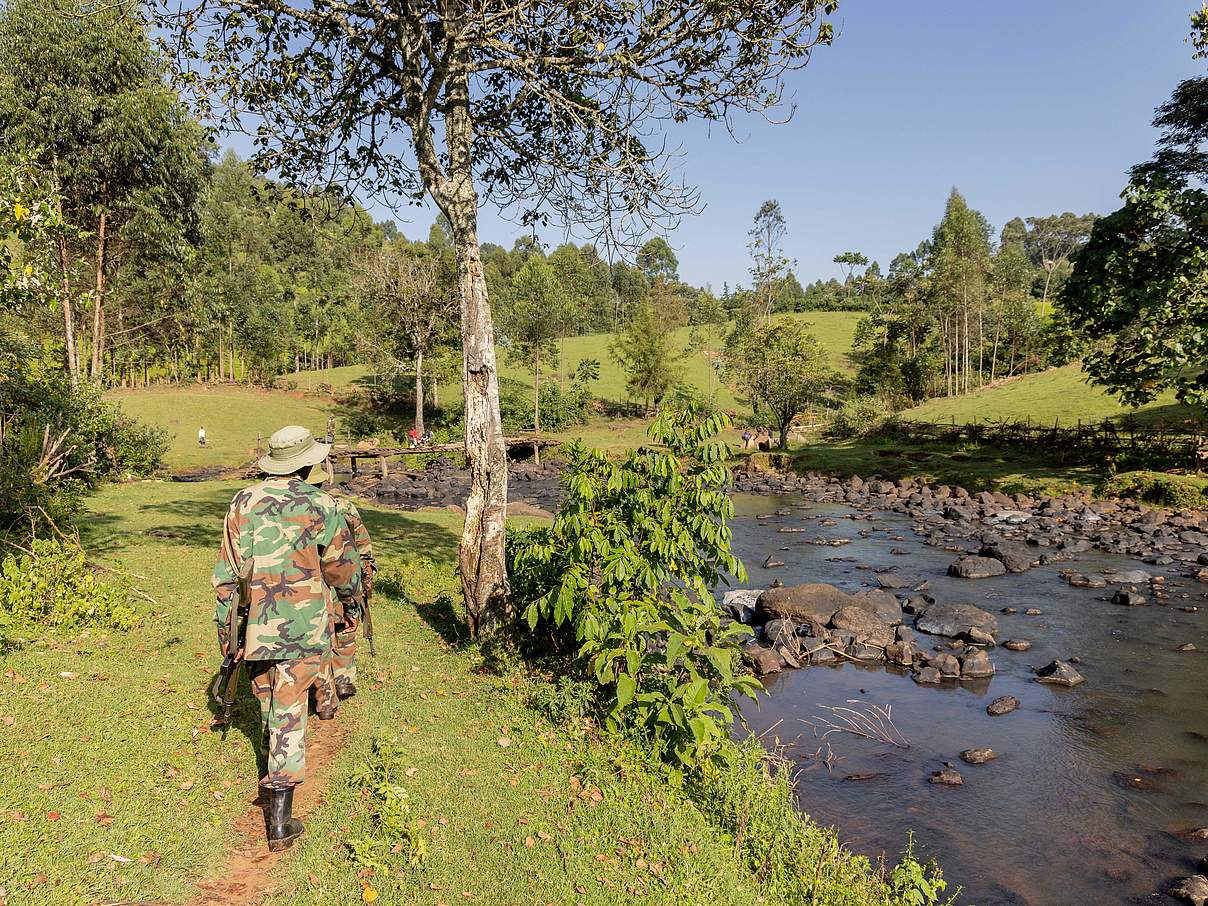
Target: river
pixel 1092 786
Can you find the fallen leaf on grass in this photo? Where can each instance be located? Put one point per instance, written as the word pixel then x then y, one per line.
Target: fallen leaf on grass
pixel 104 819
pixel 368 895
pixel 529 842
pixel 187 785
pixel 18 817
pixel 149 858
pixel 95 857
pixel 116 857
pixel 7 719
pixel 53 816
pixel 67 674
pixel 503 741
pixel 411 772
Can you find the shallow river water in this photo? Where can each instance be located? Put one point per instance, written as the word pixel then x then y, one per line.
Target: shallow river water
pixel 1092 785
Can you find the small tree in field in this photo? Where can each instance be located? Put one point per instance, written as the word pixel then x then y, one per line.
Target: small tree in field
pixel 413 307
pixel 549 110
pixel 534 320
pixel 643 348
pixel 781 368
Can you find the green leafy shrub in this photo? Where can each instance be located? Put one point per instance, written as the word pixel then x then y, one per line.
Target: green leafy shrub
pixel 1159 488
pixel 629 565
pixel 392 831
pixel 52 586
pixel 864 415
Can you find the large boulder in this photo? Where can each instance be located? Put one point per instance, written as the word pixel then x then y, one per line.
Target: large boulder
pixel 866 626
pixel 976 568
pixel 976 664
pixel 809 603
pixel 1193 890
pixel 955 619
pixel 1016 557
pixel 880 604
pixel 765 661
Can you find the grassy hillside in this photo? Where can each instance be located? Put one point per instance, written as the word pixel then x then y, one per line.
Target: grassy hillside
pixel 1057 395
pixel 234 415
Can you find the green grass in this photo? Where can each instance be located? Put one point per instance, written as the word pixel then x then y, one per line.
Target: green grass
pixel 232 415
pixel 1060 395
pixel 116 790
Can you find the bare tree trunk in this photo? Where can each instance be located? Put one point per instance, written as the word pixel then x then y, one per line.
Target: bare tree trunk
pixel 483 568
pixel 537 390
pixel 98 310
pixel 419 392
pixel 73 361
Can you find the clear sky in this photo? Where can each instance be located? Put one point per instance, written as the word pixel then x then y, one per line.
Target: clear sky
pixel 1029 107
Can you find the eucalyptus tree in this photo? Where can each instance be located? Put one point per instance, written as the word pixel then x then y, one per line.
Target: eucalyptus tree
pixel 770 266
pixel 82 91
pixel 549 110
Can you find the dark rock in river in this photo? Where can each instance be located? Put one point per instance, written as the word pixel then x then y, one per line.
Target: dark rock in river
pixel 771 563
pixel 765 661
pixel 928 675
pixel 976 664
pixel 953 619
pixel 946 664
pixel 1004 704
pixel 1033 612
pixel 1016 557
pixel 1017 645
pixel 1079 581
pixel 976 568
pixel 1059 673
pixel 809 603
pixel 978 756
pixel 1127 577
pixel 1129 599
pixel 893 580
pixel 947 777
pixel 740 603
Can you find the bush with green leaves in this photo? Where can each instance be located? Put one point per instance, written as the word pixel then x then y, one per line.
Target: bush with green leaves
pixel 865 415
pixel 52 586
pixel 392 829
pixel 1160 488
pixel 629 566
pixel 57 444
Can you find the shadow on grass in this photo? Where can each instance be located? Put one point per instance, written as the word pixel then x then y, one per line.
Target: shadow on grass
pixel 245 717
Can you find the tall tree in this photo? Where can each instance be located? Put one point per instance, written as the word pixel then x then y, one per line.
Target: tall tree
pixel 770 266
pixel 643 347
pixel 82 90
pixel 656 259
pixel 961 266
pixel 546 109
pixel 1050 242
pixel 533 320
pixel 849 261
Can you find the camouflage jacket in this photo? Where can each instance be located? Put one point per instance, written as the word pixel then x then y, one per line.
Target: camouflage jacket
pixel 364 546
pixel 303 552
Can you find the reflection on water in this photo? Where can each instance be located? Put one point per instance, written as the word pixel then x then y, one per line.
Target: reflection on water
pixel 1091 784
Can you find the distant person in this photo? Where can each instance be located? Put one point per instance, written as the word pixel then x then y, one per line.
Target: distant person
pixel 746 439
pixel 201 436
pixel 425 439
pixel 413 438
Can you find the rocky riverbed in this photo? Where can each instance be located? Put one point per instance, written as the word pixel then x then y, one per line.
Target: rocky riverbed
pixel 1040 657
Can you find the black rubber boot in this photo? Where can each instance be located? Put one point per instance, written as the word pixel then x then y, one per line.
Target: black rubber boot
pixel 345 688
pixel 281 825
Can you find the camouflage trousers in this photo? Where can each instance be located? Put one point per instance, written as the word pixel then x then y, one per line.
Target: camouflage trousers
pixel 283 690
pixel 339 664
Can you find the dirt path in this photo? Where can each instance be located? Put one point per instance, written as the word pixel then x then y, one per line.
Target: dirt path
pixel 248 876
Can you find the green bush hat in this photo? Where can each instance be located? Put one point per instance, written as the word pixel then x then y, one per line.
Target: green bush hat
pixel 292 448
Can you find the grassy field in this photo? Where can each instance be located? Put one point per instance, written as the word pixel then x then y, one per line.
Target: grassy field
pixel 116 790
pixel 1059 395
pixel 232 415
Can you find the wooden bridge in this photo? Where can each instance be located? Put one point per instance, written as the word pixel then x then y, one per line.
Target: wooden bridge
pixel 526 444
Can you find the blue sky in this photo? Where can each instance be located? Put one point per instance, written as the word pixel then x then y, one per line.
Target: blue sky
pixel 1028 107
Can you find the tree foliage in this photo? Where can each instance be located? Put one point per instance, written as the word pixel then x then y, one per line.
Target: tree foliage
pixel 781 368
pixel 629 565
pixel 1139 291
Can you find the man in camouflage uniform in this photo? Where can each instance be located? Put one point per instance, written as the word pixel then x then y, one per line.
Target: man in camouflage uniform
pixel 302 554
pixel 338 674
